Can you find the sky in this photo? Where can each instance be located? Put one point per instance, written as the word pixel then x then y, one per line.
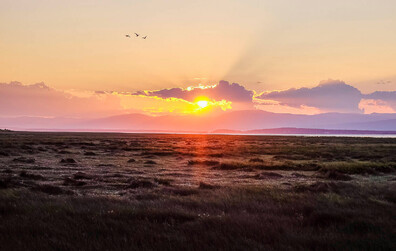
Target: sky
pixel 290 56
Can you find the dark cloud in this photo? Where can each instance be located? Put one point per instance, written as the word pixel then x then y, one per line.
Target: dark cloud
pixel 329 96
pixel 223 91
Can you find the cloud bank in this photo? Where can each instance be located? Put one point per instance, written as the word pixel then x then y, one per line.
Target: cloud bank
pixel 39 99
pixel 387 97
pixel 328 96
pixel 17 99
pixel 222 91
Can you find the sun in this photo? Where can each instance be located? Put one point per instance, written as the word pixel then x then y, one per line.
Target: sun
pixel 202 103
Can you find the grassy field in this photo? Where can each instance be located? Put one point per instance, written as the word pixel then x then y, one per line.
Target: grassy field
pixel 92 191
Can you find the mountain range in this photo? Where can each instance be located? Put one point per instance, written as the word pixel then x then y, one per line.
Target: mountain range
pixel 235 120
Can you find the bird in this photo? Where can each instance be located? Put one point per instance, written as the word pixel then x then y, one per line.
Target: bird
pixel 127 36
pixel 144 37
pixel 136 34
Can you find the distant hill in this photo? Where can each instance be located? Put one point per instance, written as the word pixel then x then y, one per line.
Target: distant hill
pixel 235 120
pixel 389 124
pixel 313 131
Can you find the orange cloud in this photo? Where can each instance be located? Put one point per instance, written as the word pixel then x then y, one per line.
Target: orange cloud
pixel 155 105
pixel 221 91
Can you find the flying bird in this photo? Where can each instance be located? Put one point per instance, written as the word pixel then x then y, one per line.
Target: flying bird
pixel 144 37
pixel 127 36
pixel 136 34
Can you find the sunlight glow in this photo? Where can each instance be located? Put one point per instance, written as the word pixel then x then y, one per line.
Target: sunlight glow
pixel 200 86
pixel 203 103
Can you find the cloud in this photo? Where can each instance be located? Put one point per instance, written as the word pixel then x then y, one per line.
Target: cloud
pixel 153 105
pixel 389 97
pixel 39 99
pixel 385 98
pixel 222 91
pixel 276 107
pixel 375 106
pixel 328 96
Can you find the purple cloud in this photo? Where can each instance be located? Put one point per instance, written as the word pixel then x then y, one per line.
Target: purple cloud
pixel 388 98
pixel 17 99
pixel 223 91
pixel 329 96
pixel 383 95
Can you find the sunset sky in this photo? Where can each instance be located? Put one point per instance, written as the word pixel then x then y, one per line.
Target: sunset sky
pixel 289 56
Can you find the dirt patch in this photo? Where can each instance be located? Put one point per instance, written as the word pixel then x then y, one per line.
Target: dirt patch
pixel 165 182
pixel 82 175
pixel 51 189
pixel 203 162
pixel 268 175
pixel 180 191
pixel 140 183
pixel 32 176
pixel 256 160
pixel 72 182
pixel 24 160
pixel 89 154
pixel 68 161
pixel 335 175
pixel 203 185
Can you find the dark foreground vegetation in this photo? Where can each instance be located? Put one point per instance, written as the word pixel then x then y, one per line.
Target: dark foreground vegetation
pixel 61 191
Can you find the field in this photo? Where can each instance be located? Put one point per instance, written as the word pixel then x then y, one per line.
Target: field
pixel 93 191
